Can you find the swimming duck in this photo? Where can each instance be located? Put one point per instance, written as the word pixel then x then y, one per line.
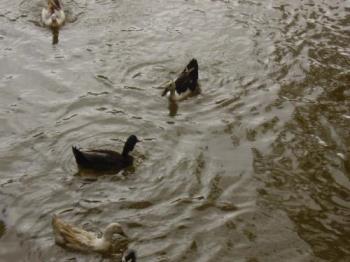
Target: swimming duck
pixel 129 256
pixel 75 238
pixel 106 160
pixel 186 83
pixel 54 15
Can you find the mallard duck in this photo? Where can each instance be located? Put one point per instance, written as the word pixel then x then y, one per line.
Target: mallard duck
pixel 75 238
pixel 129 256
pixel 53 16
pixel 186 83
pixel 106 160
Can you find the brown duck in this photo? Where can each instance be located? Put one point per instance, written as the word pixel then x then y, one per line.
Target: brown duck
pixel 75 238
pixel 53 16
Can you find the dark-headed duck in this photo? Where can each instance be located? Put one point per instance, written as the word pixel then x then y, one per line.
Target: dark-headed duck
pixel 106 160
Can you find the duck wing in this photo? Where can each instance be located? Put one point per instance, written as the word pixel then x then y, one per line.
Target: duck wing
pixel 99 159
pixel 72 237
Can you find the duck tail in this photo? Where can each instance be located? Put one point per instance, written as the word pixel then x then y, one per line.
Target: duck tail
pixel 193 68
pixel 56 3
pixel 54 219
pixel 56 225
pixel 79 156
pixel 55 222
pixel 193 65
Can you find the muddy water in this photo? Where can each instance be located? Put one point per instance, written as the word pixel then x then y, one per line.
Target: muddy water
pixel 255 168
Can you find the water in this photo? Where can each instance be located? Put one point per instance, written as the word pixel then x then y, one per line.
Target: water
pixel 255 168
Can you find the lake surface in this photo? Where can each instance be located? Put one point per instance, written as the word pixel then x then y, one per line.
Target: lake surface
pixel 255 168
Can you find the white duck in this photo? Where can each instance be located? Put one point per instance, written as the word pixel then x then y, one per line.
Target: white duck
pixel 78 239
pixel 53 16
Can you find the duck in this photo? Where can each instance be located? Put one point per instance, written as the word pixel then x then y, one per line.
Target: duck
pixel 53 16
pixel 186 83
pixel 106 160
pixel 129 256
pixel 77 239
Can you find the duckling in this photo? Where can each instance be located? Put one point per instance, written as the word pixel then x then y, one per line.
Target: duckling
pixel 75 238
pixel 106 160
pixel 129 256
pixel 54 15
pixel 186 83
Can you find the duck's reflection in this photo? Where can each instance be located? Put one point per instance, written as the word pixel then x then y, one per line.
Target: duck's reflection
pixel 173 107
pixel 55 35
pixel 2 228
pixel 174 99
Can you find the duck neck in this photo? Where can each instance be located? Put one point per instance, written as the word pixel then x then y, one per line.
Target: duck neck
pixel 172 96
pixel 107 235
pixel 126 151
pixel 172 90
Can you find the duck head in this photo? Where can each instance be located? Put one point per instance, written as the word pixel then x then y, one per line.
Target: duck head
pixel 130 144
pixel 129 256
pixel 111 229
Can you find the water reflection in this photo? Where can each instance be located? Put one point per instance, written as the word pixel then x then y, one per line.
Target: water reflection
pixel 174 100
pixel 2 228
pixel 92 175
pixel 306 173
pixel 173 107
pixel 55 35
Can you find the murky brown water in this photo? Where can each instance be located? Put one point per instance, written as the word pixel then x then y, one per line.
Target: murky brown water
pixel 255 168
